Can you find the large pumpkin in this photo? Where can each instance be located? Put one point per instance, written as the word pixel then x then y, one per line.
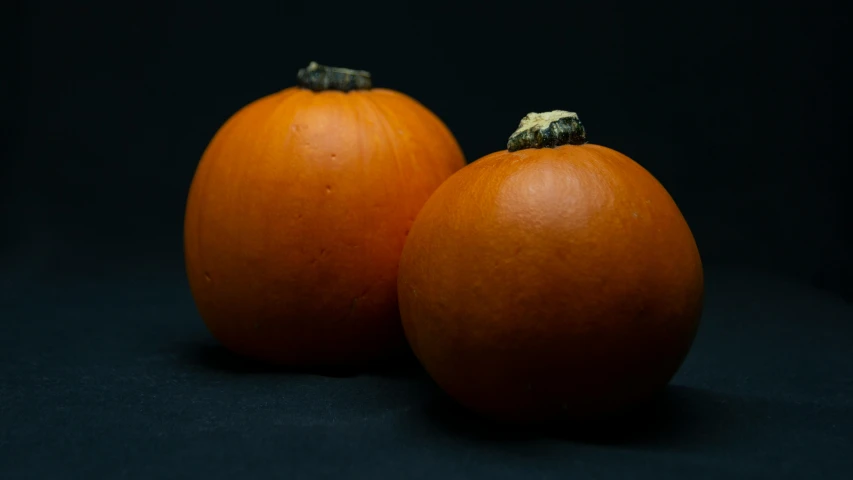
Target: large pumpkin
pixel 552 280
pixel 297 215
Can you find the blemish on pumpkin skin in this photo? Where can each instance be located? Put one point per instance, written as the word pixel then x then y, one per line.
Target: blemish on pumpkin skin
pixel 352 306
pixel 207 277
pixel 328 189
pixel 355 301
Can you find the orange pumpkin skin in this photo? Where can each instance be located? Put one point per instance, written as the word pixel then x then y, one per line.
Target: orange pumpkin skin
pixel 551 284
pixel 296 218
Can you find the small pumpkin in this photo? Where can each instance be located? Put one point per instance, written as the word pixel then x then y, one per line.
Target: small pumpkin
pixel 297 215
pixel 554 280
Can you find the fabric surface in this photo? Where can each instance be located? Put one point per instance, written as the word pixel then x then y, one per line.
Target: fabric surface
pixel 118 378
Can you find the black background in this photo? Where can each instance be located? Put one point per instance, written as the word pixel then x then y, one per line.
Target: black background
pixel 741 109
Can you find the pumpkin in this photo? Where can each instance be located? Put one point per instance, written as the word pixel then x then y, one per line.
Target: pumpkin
pixel 297 214
pixel 555 280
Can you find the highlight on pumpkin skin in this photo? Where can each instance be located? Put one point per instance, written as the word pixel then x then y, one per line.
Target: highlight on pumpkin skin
pixel 320 78
pixel 548 129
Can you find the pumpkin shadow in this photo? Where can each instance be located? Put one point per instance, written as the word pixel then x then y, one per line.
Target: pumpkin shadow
pixel 215 357
pixel 679 418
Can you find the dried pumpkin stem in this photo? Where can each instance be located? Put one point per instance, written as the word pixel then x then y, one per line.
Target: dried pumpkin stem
pixel 320 78
pixel 549 129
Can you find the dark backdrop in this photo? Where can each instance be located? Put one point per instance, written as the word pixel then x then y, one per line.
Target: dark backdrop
pixel 741 109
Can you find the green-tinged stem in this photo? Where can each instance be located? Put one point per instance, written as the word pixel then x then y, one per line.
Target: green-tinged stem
pixel 320 78
pixel 549 129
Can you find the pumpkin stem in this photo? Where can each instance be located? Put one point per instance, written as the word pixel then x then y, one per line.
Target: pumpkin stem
pixel 320 78
pixel 549 129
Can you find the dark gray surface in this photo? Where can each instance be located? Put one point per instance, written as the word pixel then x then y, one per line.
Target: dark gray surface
pixel 118 378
